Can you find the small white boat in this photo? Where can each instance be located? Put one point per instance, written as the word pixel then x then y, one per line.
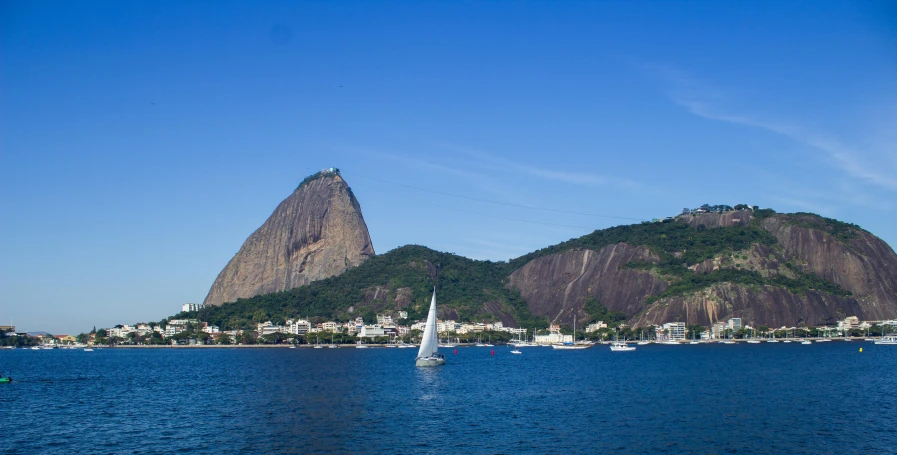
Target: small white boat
pixel 754 341
pixel 429 355
pixel 643 343
pixel 670 342
pixel 786 341
pixel 694 342
pixel 35 348
pixel 88 350
pixel 621 347
pixel 516 352
pixel 887 340
pixel 772 341
pixel 806 342
pixel 318 346
pixel 869 339
pixel 728 342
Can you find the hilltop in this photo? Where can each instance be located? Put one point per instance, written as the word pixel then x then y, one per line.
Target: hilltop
pixel 699 267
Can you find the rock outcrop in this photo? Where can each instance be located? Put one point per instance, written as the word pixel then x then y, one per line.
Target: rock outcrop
pixel 557 285
pixel 315 233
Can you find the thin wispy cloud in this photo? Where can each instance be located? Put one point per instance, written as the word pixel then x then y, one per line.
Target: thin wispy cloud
pixel 490 161
pixel 703 99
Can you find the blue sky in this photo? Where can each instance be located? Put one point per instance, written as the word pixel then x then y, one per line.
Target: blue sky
pixel 142 142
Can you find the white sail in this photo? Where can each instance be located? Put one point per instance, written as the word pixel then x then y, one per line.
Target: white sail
pixel 429 344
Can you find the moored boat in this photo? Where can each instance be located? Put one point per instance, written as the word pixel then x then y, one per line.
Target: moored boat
pixel 887 340
pixel 619 346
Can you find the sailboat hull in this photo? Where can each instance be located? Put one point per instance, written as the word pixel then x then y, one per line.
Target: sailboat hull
pixel 429 361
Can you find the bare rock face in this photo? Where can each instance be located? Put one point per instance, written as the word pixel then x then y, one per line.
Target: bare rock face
pixel 315 233
pixel 864 265
pixel 714 220
pixel 556 286
pixel 774 307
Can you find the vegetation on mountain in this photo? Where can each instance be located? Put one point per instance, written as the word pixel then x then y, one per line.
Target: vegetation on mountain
pixel 838 229
pixel 464 285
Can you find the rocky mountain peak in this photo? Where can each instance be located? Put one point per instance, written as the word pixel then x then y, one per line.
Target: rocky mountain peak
pixel 315 233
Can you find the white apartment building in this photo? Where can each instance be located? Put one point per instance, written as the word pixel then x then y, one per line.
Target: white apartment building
pixel 210 329
pixel 735 324
pixel 676 330
pixel 718 330
pixel 267 328
pixel 447 326
pixel 330 326
pixel 372 331
pixel 298 327
pixel 188 307
pixel 144 329
pixel 850 322
pixel 596 326
pixel 172 330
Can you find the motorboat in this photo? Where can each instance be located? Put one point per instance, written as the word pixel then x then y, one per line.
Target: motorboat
pixel 621 347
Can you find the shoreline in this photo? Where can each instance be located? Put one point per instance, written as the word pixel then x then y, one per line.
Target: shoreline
pixel 460 345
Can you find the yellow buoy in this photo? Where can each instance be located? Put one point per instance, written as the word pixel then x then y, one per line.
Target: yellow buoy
pixel 861 349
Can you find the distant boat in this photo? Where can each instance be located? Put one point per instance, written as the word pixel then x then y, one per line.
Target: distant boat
pixel 619 346
pixel 5 380
pixel 888 339
pixel 515 351
pixel 573 345
pixel 429 355
pixel 806 342
pixel 88 349
pixel 292 346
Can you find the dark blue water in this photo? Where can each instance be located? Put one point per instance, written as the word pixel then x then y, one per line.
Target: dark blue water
pixel 755 399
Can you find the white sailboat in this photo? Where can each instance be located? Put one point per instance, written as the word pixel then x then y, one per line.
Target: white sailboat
pixel 429 355
pixel 572 345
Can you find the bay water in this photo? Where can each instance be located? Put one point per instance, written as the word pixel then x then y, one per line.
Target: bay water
pixel 782 398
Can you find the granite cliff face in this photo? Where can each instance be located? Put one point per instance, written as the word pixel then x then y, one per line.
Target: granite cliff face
pixel 556 286
pixel 863 267
pixel 315 233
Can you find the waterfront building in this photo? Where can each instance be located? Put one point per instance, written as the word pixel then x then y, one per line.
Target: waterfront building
pixel 8 328
pixel 266 328
pixel 447 326
pixel 850 322
pixel 676 330
pixel 330 326
pixel 735 324
pixel 298 327
pixel 718 330
pixel 375 331
pixel 211 329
